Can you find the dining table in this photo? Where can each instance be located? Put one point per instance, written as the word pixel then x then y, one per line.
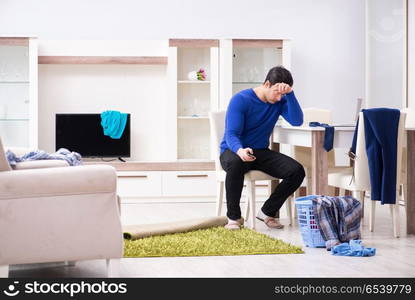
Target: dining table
pixel 313 137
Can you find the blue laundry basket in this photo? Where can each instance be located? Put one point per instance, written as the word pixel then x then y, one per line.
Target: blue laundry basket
pixel 310 230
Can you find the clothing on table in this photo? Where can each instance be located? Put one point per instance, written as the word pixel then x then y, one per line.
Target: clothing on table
pixel 250 121
pixel 352 248
pixel 72 158
pixel 273 163
pixel 338 218
pixel 113 122
pixel 328 134
pixel 381 137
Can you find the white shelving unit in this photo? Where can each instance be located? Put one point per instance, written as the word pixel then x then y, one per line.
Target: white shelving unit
pixel 18 91
pixel 192 100
pixel 246 62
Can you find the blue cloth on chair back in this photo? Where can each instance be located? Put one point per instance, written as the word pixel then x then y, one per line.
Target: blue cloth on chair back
pixel 381 136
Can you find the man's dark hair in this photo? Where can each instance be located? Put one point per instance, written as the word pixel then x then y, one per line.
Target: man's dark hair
pixel 279 74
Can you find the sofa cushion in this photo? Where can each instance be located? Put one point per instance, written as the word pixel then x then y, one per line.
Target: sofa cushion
pixel 37 164
pixel 51 182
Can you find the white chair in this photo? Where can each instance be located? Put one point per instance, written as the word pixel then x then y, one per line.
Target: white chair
pixel 217 126
pixel 409 123
pixel 303 154
pixel 344 180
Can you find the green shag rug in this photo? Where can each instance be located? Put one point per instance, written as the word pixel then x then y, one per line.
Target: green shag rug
pixel 216 241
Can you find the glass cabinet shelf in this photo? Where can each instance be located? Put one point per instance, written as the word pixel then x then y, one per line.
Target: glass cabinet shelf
pixel 193 81
pixel 18 91
pixel 200 117
pixel 250 82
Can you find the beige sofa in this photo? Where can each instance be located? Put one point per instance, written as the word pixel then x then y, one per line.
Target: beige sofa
pixel 50 212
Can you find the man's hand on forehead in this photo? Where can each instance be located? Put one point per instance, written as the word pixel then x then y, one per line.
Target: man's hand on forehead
pixel 282 88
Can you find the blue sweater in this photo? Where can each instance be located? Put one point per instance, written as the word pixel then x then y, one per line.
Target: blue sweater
pixel 250 121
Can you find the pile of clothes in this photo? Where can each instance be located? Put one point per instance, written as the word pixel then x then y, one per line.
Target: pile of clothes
pixel 72 158
pixel 339 221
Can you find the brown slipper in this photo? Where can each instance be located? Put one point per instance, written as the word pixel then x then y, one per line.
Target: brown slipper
pixel 269 221
pixel 273 223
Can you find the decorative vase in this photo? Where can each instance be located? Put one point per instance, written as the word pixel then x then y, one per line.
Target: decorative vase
pixel 192 75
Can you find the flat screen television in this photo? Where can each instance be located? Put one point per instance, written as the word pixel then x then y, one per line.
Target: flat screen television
pixel 84 134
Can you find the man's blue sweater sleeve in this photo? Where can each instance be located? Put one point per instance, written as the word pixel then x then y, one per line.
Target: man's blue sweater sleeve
pixel 291 110
pixel 235 120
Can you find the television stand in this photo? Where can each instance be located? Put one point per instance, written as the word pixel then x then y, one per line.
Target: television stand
pixel 121 159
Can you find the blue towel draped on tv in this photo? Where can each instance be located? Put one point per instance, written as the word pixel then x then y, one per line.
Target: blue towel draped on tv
pixel 381 136
pixel 113 122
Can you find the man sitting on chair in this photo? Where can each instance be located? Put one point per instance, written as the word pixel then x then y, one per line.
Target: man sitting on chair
pixel 250 120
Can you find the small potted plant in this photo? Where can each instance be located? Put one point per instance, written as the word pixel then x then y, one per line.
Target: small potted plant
pixel 201 74
pixel 197 75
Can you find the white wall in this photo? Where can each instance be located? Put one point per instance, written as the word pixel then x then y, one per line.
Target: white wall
pixel 385 55
pixel 411 53
pixel 96 88
pixel 327 41
pixel 328 36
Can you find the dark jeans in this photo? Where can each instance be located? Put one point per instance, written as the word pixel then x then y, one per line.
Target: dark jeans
pixel 273 163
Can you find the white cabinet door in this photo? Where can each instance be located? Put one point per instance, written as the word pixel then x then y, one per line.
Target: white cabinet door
pixel 18 92
pixel 139 184
pixel 189 183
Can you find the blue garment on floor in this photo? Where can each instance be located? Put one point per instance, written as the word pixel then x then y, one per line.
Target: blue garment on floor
pixel 328 134
pixel 113 122
pixel 352 248
pixel 381 136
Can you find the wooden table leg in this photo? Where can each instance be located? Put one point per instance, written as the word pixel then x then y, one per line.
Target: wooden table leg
pixel 319 166
pixel 410 173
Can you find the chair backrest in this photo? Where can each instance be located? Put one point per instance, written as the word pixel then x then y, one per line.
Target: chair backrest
pixel 4 164
pixel 361 164
pixel 362 177
pixel 312 114
pixel 410 117
pixel 217 129
pixel 409 123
